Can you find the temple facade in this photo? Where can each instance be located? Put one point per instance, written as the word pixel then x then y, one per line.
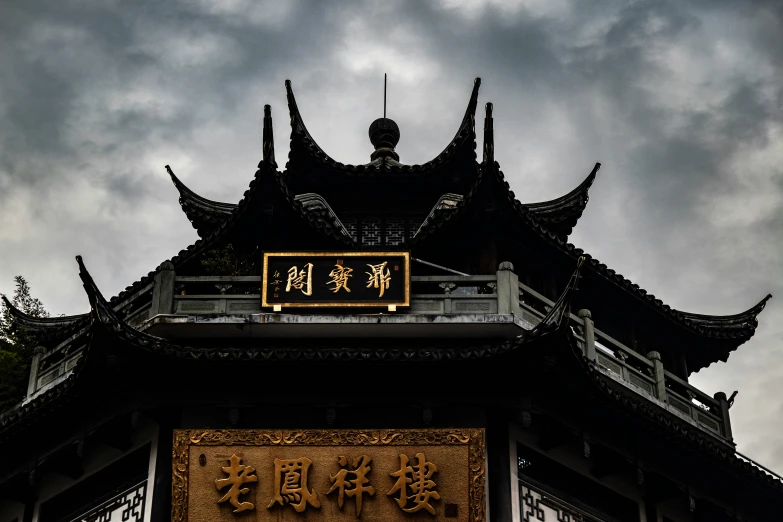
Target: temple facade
pixel 379 341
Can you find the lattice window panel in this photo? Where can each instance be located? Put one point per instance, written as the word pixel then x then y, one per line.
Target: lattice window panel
pixel 128 506
pixel 538 506
pixel 371 232
pixel 395 232
pixel 352 226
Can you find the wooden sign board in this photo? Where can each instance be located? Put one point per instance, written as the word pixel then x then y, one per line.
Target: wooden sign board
pixel 328 475
pixel 336 279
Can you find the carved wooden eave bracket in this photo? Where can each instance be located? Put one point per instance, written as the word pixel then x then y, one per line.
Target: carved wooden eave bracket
pixel 304 147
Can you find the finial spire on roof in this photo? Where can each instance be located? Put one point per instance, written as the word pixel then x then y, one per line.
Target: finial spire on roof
pixel 268 140
pixel 384 134
pixel 489 137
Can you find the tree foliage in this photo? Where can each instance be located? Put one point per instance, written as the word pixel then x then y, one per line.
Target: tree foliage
pixel 16 345
pixel 228 261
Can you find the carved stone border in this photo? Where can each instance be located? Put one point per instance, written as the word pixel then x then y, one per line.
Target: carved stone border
pixel 474 438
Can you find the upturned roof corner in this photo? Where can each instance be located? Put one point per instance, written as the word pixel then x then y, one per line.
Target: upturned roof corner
pixel 44 328
pixel 204 214
pixel 561 214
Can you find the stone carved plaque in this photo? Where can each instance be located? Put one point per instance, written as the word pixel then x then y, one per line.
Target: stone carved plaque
pixel 328 475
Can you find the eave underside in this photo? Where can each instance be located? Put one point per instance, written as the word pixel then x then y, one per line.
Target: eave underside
pixel 115 346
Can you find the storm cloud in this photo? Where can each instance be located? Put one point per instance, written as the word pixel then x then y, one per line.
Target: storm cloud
pixel 682 102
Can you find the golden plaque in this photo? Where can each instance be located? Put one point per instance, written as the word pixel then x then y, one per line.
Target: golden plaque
pixel 335 279
pixel 328 475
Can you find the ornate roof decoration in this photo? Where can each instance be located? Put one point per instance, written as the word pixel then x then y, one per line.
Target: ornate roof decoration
pixel 204 214
pixel 384 135
pixel 560 215
pixel 302 141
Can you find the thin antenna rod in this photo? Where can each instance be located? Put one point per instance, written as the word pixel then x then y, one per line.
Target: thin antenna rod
pixel 384 96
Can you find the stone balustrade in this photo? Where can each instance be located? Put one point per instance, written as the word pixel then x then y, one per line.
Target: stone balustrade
pixel 449 295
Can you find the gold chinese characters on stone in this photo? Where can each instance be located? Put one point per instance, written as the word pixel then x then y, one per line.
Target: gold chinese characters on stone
pixel 291 484
pixel 389 475
pixel 237 475
pixel 416 480
pixel 356 485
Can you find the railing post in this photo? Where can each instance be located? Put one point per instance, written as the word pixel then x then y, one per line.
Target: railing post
pixel 35 365
pixel 589 331
pixel 658 375
pixel 163 290
pixel 723 404
pixel 508 289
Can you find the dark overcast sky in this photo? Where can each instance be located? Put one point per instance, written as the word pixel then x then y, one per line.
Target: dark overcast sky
pixel 680 101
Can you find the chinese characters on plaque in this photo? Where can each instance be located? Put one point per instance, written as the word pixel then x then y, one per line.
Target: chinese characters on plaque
pixel 328 475
pixel 413 490
pixel 336 279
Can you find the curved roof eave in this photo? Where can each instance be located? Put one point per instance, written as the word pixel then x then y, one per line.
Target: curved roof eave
pixel 440 216
pixel 562 214
pixel 34 323
pixel 704 325
pixel 464 136
pixel 204 214
pixel 267 166
pixel 670 425
pixel 736 322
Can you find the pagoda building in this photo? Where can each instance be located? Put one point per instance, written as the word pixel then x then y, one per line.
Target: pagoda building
pixel 379 341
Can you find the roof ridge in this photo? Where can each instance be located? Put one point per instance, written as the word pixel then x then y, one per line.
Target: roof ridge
pixel 300 133
pixel 684 318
